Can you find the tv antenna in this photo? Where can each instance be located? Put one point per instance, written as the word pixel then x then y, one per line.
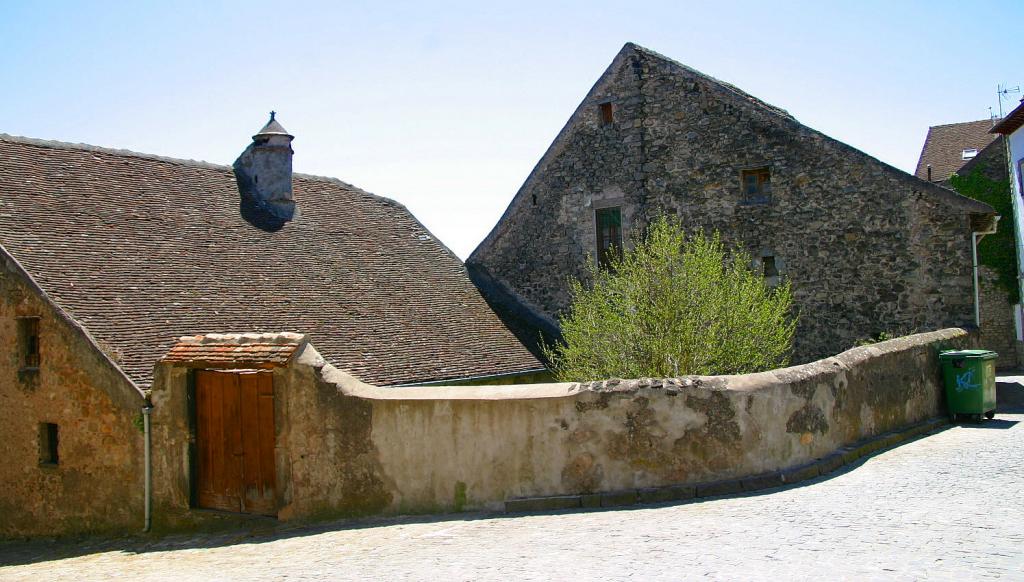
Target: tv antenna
pixel 1004 92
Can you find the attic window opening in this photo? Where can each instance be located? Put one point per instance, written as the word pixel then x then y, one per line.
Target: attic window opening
pixel 607 115
pixel 534 199
pixel 28 335
pixel 969 153
pixel 757 185
pixel 49 443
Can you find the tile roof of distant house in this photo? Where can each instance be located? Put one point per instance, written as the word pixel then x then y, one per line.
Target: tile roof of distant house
pixel 142 249
pixel 944 146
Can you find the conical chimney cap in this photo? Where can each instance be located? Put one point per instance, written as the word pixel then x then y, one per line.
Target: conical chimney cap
pixel 273 128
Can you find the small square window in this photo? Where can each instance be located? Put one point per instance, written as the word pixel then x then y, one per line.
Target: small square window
pixel 28 340
pixel 607 115
pixel 969 153
pixel 757 185
pixel 49 440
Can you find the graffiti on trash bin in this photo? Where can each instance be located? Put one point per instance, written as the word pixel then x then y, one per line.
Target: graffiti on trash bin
pixel 965 381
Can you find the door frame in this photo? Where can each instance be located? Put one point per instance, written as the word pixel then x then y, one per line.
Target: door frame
pixel 193 443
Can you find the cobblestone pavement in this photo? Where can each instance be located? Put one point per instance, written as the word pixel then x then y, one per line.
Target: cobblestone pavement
pixel 946 506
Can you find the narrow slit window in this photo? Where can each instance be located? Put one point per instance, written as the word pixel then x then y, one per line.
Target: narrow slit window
pixel 607 115
pixel 28 331
pixel 757 185
pixel 49 443
pixel 609 235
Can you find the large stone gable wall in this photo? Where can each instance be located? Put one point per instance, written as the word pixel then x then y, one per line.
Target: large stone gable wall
pixel 867 248
pixel 98 483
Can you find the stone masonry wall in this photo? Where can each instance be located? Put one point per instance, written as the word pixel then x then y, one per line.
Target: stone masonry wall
pixel 97 484
pixel 345 448
pixel 998 331
pixel 351 449
pixel 868 248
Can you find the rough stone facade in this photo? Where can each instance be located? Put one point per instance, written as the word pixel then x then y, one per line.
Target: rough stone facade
pixel 345 448
pixel 998 327
pixel 97 483
pixel 868 248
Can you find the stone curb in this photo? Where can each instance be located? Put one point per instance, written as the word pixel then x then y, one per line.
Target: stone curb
pixel 823 466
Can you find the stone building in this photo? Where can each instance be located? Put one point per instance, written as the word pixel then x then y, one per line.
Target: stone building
pixel 963 148
pixel 869 249
pixel 108 257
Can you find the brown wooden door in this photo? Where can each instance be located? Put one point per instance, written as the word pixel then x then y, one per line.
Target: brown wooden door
pixel 235 441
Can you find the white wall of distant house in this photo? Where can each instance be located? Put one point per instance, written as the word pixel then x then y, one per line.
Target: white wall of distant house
pixel 1015 143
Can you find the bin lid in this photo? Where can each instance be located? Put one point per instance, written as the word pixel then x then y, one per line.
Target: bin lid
pixel 969 354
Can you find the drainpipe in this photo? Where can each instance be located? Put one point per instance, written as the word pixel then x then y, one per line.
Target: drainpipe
pixel 148 469
pixel 975 237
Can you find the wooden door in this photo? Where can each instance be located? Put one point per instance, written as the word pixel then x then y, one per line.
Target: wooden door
pixel 235 441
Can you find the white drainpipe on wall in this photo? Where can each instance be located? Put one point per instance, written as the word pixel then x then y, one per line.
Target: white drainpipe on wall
pixel 975 237
pixel 148 469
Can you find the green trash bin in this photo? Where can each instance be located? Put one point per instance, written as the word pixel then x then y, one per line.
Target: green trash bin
pixel 970 378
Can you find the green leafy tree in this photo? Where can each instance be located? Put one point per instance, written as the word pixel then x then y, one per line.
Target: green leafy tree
pixel 674 305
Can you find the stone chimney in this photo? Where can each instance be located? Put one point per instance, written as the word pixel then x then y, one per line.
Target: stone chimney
pixel 264 170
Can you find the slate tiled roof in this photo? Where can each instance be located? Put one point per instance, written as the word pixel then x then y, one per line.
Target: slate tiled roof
pixel 250 350
pixel 944 146
pixel 141 250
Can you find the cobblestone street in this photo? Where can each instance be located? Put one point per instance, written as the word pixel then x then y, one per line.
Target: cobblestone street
pixel 946 506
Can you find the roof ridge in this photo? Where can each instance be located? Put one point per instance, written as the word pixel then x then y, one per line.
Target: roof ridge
pixel 962 200
pixel 993 121
pixel 726 85
pixel 85 147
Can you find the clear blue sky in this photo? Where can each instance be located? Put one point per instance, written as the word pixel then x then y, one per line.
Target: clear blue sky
pixel 446 107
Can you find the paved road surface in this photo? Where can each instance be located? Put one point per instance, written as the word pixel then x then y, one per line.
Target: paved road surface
pixel 946 506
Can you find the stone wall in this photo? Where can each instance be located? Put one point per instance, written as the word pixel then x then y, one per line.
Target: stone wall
pixel 345 448
pixel 868 248
pixel 97 484
pixel 998 329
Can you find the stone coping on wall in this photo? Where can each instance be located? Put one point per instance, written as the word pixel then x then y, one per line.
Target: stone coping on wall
pixel 846 455
pixel 351 386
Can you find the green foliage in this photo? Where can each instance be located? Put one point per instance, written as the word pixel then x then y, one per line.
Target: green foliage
pixel 998 250
pixel 883 336
pixel 673 306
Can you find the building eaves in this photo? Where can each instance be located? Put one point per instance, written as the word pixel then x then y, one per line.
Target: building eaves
pixel 78 328
pixel 1011 122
